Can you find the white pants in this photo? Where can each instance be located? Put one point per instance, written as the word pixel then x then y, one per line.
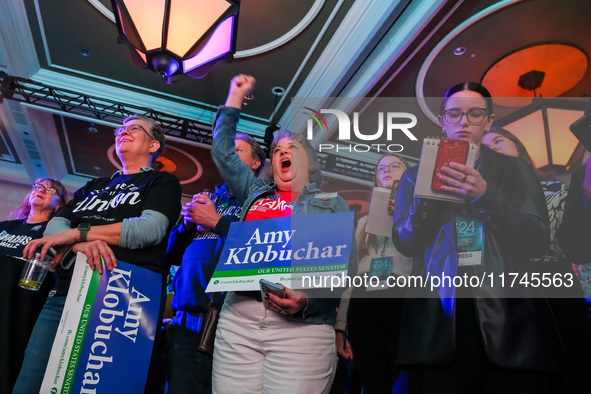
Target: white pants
pixel 261 351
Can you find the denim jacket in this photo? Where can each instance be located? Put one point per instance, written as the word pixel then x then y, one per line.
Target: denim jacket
pixel 248 188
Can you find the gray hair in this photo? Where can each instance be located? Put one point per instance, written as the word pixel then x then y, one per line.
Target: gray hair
pixel 256 152
pixel 314 171
pixel 155 132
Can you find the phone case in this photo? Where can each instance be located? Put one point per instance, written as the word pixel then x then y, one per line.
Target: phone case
pixel 270 287
pixel 393 195
pixel 273 288
pixel 449 151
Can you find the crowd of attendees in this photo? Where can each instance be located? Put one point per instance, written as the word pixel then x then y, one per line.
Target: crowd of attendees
pixel 407 340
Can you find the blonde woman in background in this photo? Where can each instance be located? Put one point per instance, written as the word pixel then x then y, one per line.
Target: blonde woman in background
pixel 371 316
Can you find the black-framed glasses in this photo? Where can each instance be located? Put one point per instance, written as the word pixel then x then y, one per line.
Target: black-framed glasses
pixel 42 188
pixel 131 129
pixel 395 165
pixel 474 115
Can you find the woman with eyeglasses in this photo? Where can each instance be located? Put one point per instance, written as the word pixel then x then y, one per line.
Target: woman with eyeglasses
pixel 474 336
pixel 371 316
pixel 40 205
pixel 125 217
pixel 20 308
pixel 274 345
pixel 568 305
pixel 503 141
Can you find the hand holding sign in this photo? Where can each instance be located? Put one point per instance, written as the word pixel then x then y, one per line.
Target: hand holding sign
pixel 290 250
pixel 94 250
pixel 106 337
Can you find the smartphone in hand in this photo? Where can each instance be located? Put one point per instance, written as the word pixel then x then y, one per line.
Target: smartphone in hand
pixel 393 196
pixel 449 151
pixel 273 288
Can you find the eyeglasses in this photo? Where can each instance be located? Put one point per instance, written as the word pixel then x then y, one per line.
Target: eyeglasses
pixel 131 129
pixel 395 165
pixel 48 190
pixel 474 115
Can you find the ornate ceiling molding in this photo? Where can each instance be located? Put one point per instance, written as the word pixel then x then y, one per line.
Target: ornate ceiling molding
pixel 420 84
pixel 18 54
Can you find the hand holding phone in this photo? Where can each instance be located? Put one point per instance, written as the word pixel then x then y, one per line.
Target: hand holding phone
pixel 272 288
pixel 449 151
pixel 393 197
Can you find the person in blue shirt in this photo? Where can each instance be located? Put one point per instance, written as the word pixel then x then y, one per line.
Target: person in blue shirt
pixel 196 243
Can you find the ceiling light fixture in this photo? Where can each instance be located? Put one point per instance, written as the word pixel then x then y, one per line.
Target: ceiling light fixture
pixel 531 80
pixel 543 128
pixel 175 37
pixel 541 123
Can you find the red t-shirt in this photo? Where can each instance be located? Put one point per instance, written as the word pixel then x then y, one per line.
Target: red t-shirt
pixel 276 205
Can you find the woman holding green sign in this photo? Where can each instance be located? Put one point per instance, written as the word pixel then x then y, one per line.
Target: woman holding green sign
pixel 289 346
pixel 125 217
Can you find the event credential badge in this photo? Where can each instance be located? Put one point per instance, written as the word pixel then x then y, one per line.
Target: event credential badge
pixel 290 250
pixel 105 338
pixel 470 236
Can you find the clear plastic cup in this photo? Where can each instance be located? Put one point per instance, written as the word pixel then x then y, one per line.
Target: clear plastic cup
pixel 213 197
pixel 34 272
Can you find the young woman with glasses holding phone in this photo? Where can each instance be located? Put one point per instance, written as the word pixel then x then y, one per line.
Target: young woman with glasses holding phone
pixel 486 338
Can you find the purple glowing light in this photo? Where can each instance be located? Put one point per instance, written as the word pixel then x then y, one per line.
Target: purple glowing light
pixel 219 44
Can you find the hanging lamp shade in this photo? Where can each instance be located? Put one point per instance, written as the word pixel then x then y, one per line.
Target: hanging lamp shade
pixel 543 128
pixel 178 36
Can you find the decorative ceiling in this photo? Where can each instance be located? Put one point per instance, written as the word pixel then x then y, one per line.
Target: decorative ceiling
pixel 366 50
